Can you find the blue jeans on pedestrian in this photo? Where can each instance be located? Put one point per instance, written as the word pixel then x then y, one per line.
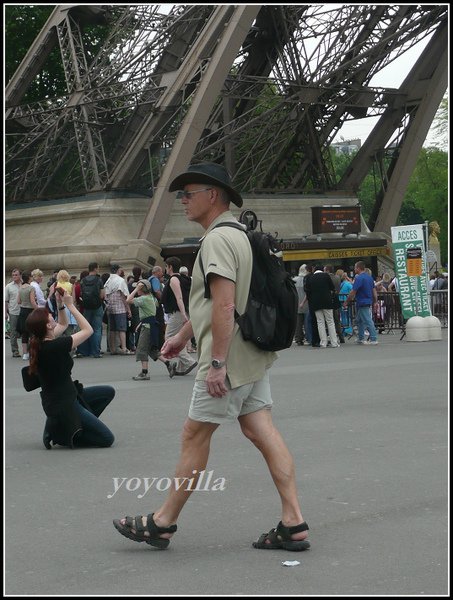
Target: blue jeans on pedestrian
pixel 92 346
pixel 94 432
pixel 308 327
pixel 364 322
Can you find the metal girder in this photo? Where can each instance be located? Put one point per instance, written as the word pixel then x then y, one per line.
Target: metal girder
pixel 300 73
pixel 356 44
pixel 410 114
pixel 179 39
pixel 52 148
pixel 422 101
pixel 193 66
pixel 231 27
pixel 89 142
pixel 109 85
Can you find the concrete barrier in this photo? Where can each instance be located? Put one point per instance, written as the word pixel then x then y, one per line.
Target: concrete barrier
pixel 417 330
pixel 434 328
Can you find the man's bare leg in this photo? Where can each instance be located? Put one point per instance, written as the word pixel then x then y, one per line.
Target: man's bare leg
pixel 122 335
pixel 196 441
pixel 112 342
pixel 259 428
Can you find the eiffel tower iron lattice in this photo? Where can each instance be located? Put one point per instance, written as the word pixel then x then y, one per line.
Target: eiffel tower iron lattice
pixel 270 100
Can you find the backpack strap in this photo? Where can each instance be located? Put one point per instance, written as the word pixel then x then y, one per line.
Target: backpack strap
pixel 207 291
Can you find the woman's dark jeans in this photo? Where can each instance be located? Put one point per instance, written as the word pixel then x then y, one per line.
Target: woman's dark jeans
pixel 94 432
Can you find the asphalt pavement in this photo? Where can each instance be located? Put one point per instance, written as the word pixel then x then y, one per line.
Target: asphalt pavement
pixel 368 428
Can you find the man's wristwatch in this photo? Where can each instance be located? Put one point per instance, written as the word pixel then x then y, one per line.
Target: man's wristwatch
pixel 217 364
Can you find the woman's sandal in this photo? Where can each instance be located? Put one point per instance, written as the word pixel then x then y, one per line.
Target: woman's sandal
pixel 139 536
pixel 280 539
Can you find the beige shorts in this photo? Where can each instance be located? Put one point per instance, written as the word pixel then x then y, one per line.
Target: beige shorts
pixel 236 403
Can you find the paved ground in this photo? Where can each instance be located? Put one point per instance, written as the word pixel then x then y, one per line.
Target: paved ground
pixel 368 428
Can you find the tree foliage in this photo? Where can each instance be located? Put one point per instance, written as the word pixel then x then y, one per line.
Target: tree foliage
pixel 428 192
pixel 426 197
pixel 22 25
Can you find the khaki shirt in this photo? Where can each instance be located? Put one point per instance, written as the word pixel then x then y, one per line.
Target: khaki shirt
pixel 225 252
pixel 11 296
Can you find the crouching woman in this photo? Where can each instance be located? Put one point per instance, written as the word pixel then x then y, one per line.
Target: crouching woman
pixel 72 411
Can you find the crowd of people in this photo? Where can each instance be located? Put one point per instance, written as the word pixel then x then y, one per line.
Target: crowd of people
pixel 119 310
pixel 324 315
pixel 325 318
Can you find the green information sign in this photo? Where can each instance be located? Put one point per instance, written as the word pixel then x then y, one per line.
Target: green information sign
pixel 413 289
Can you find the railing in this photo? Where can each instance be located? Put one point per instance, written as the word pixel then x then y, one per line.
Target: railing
pixel 387 315
pixel 439 305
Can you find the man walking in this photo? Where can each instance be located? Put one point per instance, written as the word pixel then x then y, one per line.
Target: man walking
pixel 175 299
pixel 312 322
pixel 116 292
pixel 157 287
pixel 232 379
pixel 319 288
pixel 302 327
pixel 336 311
pixel 12 309
pixel 365 295
pixel 92 295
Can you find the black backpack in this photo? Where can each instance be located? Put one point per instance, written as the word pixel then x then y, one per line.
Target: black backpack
pixel 90 287
pixel 186 284
pixel 269 320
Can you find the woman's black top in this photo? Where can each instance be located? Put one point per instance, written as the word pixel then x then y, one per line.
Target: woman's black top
pixel 168 297
pixel 58 390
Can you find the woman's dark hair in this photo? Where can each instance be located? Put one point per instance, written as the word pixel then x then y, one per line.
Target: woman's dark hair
pixel 26 276
pixel 36 325
pixel 174 262
pixel 137 273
